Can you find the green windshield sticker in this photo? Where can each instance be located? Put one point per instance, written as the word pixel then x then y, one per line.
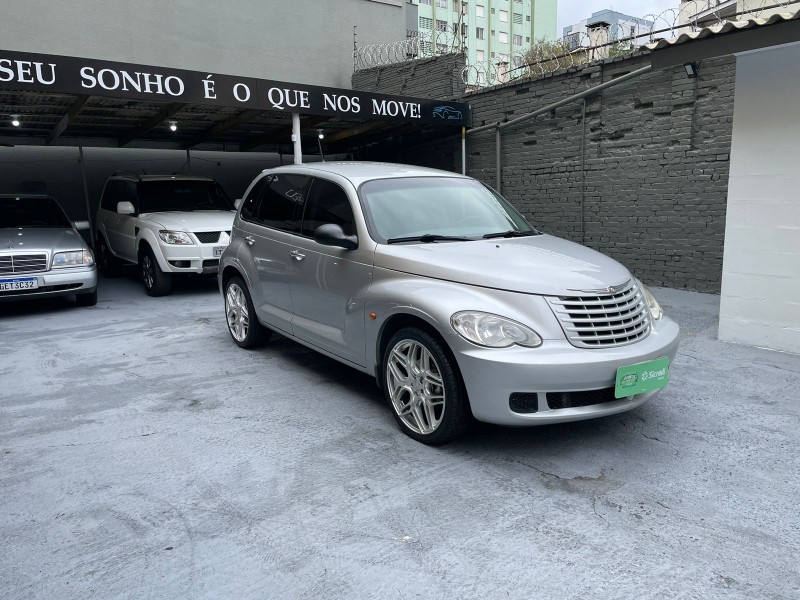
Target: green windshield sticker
pixel 644 377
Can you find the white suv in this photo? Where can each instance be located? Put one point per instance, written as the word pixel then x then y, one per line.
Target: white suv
pixel 164 223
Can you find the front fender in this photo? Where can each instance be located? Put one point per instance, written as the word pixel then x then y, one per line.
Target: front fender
pixel 146 236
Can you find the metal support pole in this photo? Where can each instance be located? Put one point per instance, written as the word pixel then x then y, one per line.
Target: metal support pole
pixel 298 147
pixel 497 142
pixel 86 194
pixel 188 161
pixel 583 170
pixel 463 150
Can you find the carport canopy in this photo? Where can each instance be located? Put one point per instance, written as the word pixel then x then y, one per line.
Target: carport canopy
pixel 60 100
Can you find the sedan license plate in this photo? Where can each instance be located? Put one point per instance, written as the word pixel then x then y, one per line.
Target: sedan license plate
pixel 218 250
pixel 642 377
pixel 12 285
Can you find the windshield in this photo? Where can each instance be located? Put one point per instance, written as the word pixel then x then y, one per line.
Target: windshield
pixel 32 212
pixel 181 195
pixel 430 209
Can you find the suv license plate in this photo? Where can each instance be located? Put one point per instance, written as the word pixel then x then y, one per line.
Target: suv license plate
pixel 642 377
pixel 11 285
pixel 218 250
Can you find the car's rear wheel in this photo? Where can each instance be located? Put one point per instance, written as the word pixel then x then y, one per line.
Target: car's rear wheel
pixel 243 324
pixel 156 282
pixel 423 388
pixel 87 298
pixel 110 266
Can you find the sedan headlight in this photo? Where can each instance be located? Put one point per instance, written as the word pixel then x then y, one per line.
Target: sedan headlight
pixel 652 303
pixel 81 258
pixel 493 331
pixel 176 237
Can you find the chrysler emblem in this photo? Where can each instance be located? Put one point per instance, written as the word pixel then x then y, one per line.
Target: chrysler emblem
pixel 612 289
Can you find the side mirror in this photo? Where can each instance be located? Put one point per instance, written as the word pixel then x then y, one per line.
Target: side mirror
pixel 333 235
pixel 81 225
pixel 238 203
pixel 125 208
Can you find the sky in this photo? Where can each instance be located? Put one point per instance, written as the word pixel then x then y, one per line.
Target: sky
pixel 572 11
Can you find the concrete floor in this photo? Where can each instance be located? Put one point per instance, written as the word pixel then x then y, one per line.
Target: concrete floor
pixel 144 455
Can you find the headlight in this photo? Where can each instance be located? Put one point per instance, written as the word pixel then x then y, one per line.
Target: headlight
pixel 493 331
pixel 73 259
pixel 652 303
pixel 176 237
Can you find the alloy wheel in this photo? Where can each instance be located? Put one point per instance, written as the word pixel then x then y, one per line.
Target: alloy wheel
pixel 236 312
pixel 414 383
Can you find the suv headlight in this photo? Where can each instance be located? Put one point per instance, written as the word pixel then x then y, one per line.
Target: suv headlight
pixel 176 237
pixel 655 308
pixel 73 259
pixel 493 331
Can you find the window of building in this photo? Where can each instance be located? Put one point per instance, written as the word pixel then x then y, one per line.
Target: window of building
pixel 480 10
pixel 480 33
pixel 518 1
pixel 480 56
pixel 518 18
pixel 441 25
pixel 503 16
pixel 427 2
pixel 528 18
pixel 441 3
pixel 463 29
pixel 425 23
pixel 464 8
pixel 503 37
pixel 516 40
pixel 527 40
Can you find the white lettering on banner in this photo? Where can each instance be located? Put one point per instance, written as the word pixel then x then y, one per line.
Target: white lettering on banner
pixel 286 98
pixel 148 83
pixel 342 103
pixel 393 108
pixel 128 80
pixel 208 85
pixel 236 92
pixel 169 82
pixel 22 71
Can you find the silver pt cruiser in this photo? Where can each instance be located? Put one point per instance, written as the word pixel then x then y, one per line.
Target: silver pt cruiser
pixel 434 284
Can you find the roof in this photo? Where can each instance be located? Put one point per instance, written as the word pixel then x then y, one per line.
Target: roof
pixel 359 172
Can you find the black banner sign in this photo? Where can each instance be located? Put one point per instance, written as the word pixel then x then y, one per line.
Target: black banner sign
pixel 70 75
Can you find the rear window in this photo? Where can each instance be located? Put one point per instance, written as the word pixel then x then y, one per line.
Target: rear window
pixel 32 212
pixel 181 196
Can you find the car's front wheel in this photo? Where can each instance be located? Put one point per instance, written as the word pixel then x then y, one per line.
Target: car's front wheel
pixel 243 324
pixel 423 388
pixel 156 282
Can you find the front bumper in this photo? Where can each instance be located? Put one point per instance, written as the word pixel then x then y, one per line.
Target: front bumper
pixel 61 282
pixel 491 376
pixel 190 259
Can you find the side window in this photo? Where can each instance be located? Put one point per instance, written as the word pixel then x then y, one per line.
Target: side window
pixel 327 203
pixel 281 201
pixel 110 196
pixel 251 200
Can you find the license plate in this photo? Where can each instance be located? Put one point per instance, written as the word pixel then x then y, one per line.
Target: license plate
pixel 642 377
pixel 218 250
pixel 12 285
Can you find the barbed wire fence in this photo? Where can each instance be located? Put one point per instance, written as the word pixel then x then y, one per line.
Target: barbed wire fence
pixel 577 48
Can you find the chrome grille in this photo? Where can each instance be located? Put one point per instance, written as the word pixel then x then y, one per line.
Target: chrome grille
pixel 209 237
pixel 599 321
pixel 22 263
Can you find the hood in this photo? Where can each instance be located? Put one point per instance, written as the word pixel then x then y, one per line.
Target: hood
pixel 540 264
pixel 45 239
pixel 199 220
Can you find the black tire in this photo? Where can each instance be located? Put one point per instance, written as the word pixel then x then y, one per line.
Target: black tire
pixel 240 315
pixel 415 406
pixel 86 298
pixel 109 265
pixel 156 282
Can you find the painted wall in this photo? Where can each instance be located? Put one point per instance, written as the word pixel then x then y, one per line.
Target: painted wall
pixel 302 41
pixel 760 302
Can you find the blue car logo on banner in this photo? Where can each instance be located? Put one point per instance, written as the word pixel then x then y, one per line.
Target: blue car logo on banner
pixel 447 112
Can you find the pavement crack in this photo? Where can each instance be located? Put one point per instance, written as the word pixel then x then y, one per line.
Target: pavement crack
pixel 652 437
pixel 542 471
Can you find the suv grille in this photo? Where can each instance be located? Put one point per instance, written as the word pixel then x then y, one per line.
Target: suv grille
pixel 22 263
pixel 599 321
pixel 209 237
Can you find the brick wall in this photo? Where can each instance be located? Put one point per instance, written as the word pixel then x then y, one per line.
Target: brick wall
pixel 654 168
pixel 438 77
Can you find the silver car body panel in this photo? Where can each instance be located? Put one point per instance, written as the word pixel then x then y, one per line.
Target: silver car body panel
pixel 339 302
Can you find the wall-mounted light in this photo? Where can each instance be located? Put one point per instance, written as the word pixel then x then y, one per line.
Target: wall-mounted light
pixel 691 69
pixel 173 126
pixel 15 120
pixel 320 137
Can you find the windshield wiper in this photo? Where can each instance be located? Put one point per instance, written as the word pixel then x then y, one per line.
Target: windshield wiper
pixel 509 234
pixel 428 238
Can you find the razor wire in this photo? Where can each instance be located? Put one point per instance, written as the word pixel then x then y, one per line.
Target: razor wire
pixel 575 49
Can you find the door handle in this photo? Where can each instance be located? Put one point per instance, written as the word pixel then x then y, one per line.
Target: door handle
pixel 250 240
pixel 297 255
